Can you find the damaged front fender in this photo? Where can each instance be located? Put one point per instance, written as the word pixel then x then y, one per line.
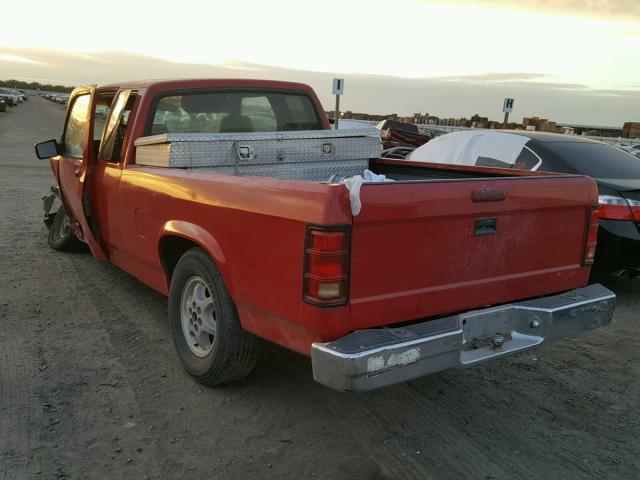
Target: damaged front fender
pixel 47 205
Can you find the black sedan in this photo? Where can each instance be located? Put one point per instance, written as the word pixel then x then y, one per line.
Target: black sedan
pixel 616 172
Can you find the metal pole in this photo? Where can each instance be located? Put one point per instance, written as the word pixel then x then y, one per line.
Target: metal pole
pixel 506 120
pixel 336 114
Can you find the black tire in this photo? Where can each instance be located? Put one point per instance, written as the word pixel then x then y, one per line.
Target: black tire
pixel 233 351
pixel 60 235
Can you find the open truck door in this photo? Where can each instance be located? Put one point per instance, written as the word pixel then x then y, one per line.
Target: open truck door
pixel 73 156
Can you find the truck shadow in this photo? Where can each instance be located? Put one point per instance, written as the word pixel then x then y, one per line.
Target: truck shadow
pixel 491 415
pixel 619 285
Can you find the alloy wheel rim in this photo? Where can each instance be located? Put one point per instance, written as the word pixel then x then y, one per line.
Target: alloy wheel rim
pixel 198 316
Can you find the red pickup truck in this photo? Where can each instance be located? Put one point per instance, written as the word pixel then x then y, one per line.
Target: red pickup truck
pixel 442 267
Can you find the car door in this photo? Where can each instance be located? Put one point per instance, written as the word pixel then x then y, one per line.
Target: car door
pixel 76 151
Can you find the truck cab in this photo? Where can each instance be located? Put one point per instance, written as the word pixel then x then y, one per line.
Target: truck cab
pixel 97 142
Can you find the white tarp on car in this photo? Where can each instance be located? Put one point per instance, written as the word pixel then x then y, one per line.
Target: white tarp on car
pixel 465 147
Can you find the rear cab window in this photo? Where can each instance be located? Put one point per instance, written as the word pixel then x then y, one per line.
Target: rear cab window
pixel 228 112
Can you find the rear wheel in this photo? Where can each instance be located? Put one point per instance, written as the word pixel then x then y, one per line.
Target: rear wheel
pixel 213 346
pixel 61 237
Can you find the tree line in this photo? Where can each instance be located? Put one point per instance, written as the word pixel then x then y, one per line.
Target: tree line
pixel 21 85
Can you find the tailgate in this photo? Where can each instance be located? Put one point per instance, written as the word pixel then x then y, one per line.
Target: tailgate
pixel 437 247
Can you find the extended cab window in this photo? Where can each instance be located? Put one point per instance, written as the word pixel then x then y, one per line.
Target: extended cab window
pixel 75 133
pixel 116 127
pixel 225 112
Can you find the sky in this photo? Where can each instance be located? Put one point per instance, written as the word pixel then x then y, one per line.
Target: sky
pixel 568 60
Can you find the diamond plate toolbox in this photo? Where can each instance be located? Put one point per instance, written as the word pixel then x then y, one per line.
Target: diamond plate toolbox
pixel 303 155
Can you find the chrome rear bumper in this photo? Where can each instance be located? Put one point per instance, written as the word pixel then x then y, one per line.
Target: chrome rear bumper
pixel 368 359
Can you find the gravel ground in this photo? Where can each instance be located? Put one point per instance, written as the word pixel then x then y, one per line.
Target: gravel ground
pixel 90 386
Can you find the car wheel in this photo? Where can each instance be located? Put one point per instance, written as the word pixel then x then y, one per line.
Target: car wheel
pixel 213 346
pixel 61 237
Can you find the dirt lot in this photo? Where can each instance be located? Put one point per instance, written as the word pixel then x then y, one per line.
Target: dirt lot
pixel 90 386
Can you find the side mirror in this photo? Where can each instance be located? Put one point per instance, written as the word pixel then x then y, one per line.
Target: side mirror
pixel 47 149
pixel 331 121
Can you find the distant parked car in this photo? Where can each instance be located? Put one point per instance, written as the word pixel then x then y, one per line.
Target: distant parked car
pixel 21 96
pixel 59 98
pixel 616 172
pixel 399 134
pixel 635 151
pixel 9 97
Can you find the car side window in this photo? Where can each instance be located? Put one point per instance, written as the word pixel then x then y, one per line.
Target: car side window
pixel 75 132
pixel 527 160
pixel 116 128
pixel 491 162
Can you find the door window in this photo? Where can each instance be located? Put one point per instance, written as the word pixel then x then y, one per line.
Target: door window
pixel 75 133
pixel 103 102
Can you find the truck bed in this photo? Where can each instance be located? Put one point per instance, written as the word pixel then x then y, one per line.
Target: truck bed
pixel 415 252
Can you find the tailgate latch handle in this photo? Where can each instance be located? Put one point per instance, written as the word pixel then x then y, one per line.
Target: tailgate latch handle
pixel 488 195
pixel 486 226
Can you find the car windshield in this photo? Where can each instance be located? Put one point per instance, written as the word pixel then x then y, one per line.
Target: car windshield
pixel 596 160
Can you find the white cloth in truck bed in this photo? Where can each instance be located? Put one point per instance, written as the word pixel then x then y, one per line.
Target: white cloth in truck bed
pixel 354 184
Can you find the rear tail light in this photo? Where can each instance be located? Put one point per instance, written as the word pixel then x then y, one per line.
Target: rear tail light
pixel 635 209
pixel 617 208
pixel 591 237
pixel 326 266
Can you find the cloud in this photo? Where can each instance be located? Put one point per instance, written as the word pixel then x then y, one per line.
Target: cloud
pixel 6 57
pixel 628 10
pixel 496 77
pixel 552 85
pixel 623 93
pixel 443 97
pixel 514 79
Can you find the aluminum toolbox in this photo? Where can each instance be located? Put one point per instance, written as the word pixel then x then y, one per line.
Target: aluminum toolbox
pixel 303 155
